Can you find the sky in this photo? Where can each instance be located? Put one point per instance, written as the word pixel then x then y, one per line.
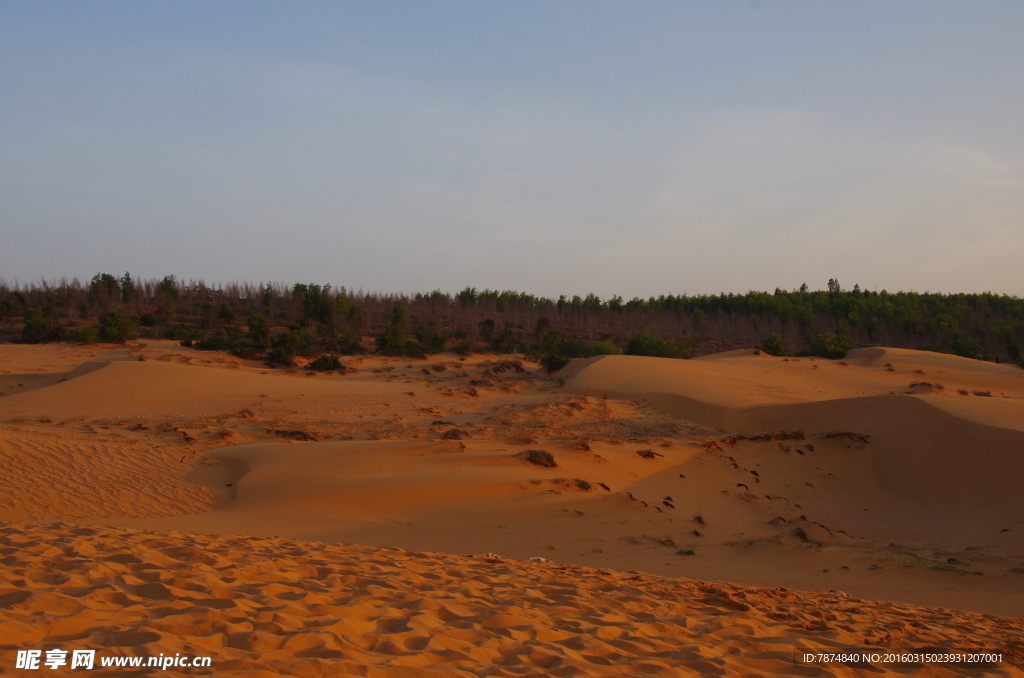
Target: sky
pixel 630 148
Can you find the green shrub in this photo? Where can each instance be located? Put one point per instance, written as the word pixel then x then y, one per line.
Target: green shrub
pixel 181 333
pixel 830 345
pixel 102 288
pixel 965 348
pixel 259 329
pixel 774 345
pixel 39 327
pixel 504 341
pixel 303 339
pixel 86 334
pixel 486 328
pixel 344 343
pixel 214 343
pixel 430 339
pixel 282 355
pixel 605 348
pixel 244 349
pixel 393 341
pixel 300 341
pixel 467 348
pixel 116 327
pixel 644 344
pixel 325 363
pixel 553 363
pixel 147 320
pixel 556 342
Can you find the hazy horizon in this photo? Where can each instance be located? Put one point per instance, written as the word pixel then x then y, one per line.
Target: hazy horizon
pixel 554 149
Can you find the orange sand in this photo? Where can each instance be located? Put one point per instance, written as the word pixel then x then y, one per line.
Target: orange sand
pixel 884 475
pixel 266 607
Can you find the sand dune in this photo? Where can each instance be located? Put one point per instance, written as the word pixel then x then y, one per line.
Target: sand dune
pixel 918 450
pixel 891 475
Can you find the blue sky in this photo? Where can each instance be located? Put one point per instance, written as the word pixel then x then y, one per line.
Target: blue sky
pixel 549 147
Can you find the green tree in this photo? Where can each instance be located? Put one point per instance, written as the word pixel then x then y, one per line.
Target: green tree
pixel 127 287
pixel 117 327
pixel 39 326
pixel 605 347
pixel 167 297
pixel 830 345
pixel 965 348
pixel 430 339
pixel 259 329
pixel 392 341
pixel 102 288
pixel 317 302
pixel 644 344
pixel 774 345
pixel 84 335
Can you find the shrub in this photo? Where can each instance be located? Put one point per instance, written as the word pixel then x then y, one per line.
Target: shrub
pixel 393 341
pixel 345 343
pixel 325 363
pixel 774 345
pixel 244 349
pixel 605 348
pixel 965 348
pixel 281 355
pixel 504 341
pixel 466 348
pixel 181 333
pixel 84 335
pixel 300 341
pixel 259 329
pixel 486 328
pixel 557 342
pixel 215 343
pixel 303 339
pixel 830 345
pixel 102 288
pixel 553 363
pixel 116 326
pixel 430 339
pixel 644 344
pixel 147 320
pixel 39 327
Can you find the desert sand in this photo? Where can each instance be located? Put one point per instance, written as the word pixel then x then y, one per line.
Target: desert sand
pixel 669 499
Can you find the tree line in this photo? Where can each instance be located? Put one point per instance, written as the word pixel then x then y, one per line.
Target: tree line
pixel 279 322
